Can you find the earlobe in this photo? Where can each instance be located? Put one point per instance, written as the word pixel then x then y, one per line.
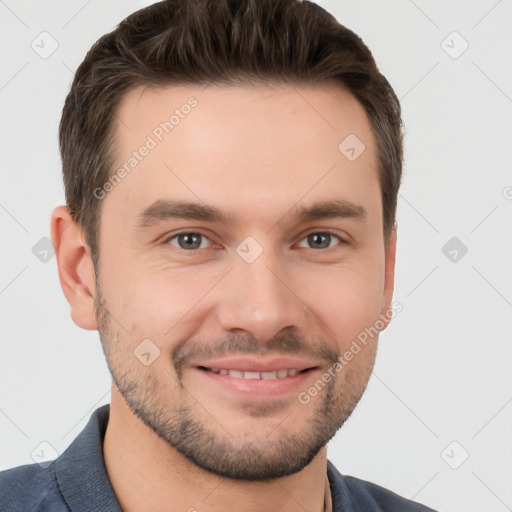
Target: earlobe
pixel 389 281
pixel 76 271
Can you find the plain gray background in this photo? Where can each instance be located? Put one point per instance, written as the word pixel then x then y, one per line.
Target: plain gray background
pixel 441 389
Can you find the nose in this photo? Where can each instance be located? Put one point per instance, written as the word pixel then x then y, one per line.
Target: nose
pixel 259 298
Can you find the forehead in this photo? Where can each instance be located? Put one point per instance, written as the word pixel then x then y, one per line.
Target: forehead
pixel 244 148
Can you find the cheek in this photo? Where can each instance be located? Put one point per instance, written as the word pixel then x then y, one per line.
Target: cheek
pixel 347 299
pixel 157 301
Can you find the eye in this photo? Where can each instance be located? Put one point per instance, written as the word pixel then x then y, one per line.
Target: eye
pixel 320 239
pixel 188 241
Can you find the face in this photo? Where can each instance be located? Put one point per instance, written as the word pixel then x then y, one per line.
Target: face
pixel 241 254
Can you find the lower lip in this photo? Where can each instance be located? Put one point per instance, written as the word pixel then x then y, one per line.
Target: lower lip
pixel 259 387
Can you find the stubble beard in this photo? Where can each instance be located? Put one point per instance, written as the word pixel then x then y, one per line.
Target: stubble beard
pixel 190 429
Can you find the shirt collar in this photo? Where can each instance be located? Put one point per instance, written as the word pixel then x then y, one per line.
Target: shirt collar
pixel 81 471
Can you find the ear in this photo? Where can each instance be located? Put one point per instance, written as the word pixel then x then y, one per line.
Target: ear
pixel 74 263
pixel 389 280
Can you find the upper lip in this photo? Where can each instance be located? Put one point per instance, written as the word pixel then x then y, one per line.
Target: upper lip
pixel 251 364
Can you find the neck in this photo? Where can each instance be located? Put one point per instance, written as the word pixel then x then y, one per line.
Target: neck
pixel 148 474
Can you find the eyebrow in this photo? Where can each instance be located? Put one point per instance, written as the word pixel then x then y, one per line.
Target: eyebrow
pixel 162 210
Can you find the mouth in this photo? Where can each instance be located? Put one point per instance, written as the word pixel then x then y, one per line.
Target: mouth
pixel 282 373
pixel 257 378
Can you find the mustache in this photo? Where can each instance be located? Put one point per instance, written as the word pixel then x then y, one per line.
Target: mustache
pixel 284 344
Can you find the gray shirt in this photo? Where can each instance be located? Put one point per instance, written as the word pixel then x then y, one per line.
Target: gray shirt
pixel 78 481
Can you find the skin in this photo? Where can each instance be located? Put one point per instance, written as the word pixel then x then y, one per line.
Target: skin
pixel 257 153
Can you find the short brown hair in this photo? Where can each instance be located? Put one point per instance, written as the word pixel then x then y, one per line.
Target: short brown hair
pixel 217 41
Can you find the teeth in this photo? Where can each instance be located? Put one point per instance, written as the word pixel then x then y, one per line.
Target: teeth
pixel 277 374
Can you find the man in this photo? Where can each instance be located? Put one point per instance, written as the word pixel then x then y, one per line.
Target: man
pixel 231 171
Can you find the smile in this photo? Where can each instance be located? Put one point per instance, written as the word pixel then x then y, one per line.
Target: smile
pixel 276 374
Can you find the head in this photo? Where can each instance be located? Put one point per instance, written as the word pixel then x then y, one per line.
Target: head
pixel 231 172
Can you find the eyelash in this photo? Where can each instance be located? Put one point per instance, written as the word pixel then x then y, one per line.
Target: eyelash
pixel 176 235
